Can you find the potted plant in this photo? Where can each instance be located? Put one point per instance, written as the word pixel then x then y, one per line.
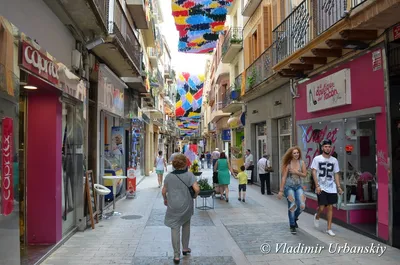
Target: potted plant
pixel 195 168
pixel 206 190
pixel 235 93
pixel 252 78
pixel 236 40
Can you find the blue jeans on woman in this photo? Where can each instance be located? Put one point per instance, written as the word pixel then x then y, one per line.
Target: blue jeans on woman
pixel 296 202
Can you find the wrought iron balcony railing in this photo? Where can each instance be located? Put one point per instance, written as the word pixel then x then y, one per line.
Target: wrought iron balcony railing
pixel 102 8
pixel 261 69
pixel 233 36
pixel 307 21
pixel 120 26
pixel 160 79
pixel 217 106
pixel 228 95
pixel 152 52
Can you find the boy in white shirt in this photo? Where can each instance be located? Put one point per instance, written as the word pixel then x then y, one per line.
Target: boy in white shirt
pixel 325 169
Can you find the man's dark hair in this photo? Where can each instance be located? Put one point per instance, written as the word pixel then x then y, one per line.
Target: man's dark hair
pixel 176 150
pixel 160 152
pixel 249 150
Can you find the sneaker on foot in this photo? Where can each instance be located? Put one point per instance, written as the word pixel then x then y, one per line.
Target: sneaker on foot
pixel 239 199
pixel 330 232
pixel 295 223
pixel 316 221
pixel 293 230
pixel 243 200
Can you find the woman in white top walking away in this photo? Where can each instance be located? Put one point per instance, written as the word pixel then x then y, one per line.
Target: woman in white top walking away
pixel 160 164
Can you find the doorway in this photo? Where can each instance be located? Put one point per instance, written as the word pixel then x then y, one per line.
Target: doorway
pixel 261 145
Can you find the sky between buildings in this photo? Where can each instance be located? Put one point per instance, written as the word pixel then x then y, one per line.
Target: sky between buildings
pixel 181 62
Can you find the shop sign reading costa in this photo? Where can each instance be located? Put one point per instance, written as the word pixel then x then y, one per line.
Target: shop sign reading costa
pixel 38 63
pixel 7 187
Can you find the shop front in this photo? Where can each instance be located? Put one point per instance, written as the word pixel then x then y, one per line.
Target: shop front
pixel 137 148
pixel 112 131
pixel 52 117
pixel 347 106
pixel 268 129
pixel 9 145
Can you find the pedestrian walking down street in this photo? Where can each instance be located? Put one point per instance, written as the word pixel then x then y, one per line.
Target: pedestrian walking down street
pixel 173 156
pixel 242 176
pixel 264 169
pixel 325 169
pixel 215 156
pixel 249 165
pixel 180 205
pixel 293 170
pixel 208 158
pixel 223 167
pixel 202 159
pixel 160 164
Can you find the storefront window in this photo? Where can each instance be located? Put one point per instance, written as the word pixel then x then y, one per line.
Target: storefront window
pixel 285 132
pixel 360 153
pixel 310 137
pixel 354 147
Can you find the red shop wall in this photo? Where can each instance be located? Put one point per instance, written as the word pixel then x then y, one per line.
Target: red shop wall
pixel 367 91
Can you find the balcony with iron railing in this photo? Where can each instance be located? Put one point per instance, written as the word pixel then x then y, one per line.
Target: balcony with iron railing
pixel 102 8
pixel 160 79
pixel 217 113
pixel 167 70
pixel 231 102
pixel 261 69
pixel 120 26
pixel 307 21
pixel 233 43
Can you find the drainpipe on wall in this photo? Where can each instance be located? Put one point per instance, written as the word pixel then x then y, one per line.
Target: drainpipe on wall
pixel 293 87
pixel 85 73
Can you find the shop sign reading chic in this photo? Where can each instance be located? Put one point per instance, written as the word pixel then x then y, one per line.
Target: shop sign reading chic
pixel 7 187
pixel 329 92
pixel 38 63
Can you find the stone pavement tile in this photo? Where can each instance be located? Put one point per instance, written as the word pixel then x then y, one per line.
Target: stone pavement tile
pixel 189 260
pixel 199 218
pixel 263 258
pixel 250 237
pixel 204 241
pixel 234 203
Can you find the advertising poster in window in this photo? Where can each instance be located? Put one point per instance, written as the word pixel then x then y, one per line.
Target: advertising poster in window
pixel 117 141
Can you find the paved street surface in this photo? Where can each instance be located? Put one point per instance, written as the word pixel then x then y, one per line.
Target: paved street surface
pixel 231 233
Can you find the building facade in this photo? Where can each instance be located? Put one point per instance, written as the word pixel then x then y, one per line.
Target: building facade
pixel 324 57
pixel 76 76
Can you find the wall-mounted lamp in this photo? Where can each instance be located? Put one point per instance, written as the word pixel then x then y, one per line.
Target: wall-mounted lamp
pixel 277 103
pixel 30 87
pixel 255 111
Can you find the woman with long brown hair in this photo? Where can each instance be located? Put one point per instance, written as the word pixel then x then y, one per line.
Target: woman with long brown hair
pixel 293 169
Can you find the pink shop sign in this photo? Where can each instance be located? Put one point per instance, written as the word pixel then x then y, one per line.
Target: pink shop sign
pixel 7 186
pixel 329 92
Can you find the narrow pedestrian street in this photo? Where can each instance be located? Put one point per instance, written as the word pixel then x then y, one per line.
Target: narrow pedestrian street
pixel 231 233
